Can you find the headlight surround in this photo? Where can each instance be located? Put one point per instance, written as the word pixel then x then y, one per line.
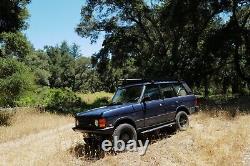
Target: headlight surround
pixel 96 123
pixel 76 122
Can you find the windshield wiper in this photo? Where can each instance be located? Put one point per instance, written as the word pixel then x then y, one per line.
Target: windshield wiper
pixel 115 103
pixel 133 100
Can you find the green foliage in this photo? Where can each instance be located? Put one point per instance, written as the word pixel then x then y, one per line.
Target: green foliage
pixel 14 45
pixel 190 40
pixel 206 43
pixel 61 66
pixel 63 101
pixel 15 79
pixel 38 61
pixel 13 15
pixel 67 68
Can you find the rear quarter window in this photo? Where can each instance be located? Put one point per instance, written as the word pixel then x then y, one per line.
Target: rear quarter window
pixel 180 90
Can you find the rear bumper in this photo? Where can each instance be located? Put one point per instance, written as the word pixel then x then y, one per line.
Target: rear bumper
pixel 194 109
pixel 105 131
pixel 197 108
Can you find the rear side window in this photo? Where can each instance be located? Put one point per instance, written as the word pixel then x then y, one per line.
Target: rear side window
pixel 180 90
pixel 152 91
pixel 167 91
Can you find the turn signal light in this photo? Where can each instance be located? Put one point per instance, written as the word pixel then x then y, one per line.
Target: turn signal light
pixel 102 123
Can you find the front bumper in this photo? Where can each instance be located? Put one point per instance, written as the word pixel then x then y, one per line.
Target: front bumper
pixel 105 131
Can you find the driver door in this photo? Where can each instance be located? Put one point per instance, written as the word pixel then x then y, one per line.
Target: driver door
pixel 154 109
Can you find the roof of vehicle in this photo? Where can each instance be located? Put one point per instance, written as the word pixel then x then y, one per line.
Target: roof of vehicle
pixel 134 82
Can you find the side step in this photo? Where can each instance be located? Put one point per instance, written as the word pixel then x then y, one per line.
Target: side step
pixel 159 127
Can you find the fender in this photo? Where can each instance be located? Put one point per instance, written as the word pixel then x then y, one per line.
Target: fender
pixel 183 108
pixel 125 119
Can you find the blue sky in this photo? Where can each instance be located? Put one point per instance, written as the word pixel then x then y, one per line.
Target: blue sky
pixel 52 21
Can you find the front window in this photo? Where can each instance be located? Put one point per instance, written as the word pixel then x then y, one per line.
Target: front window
pixel 152 91
pixel 127 94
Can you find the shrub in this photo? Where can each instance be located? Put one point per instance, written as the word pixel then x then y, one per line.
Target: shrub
pixel 5 118
pixel 15 79
pixel 39 97
pixel 63 101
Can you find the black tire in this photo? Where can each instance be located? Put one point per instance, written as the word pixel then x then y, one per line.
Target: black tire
pixel 125 132
pixel 182 121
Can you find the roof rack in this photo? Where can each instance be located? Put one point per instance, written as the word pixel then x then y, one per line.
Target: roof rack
pixel 128 81
pixel 131 81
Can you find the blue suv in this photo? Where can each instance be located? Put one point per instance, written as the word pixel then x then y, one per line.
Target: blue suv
pixel 140 107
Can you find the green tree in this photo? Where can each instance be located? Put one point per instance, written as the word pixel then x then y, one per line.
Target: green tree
pixel 13 14
pixel 14 45
pixel 38 61
pixel 15 80
pixel 169 39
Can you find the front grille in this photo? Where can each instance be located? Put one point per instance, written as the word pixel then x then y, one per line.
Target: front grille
pixel 86 123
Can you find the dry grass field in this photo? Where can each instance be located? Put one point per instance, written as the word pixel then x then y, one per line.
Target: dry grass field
pixel 25 121
pixel 215 137
pixel 211 140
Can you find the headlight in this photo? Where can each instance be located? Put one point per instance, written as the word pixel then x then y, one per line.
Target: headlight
pixel 96 123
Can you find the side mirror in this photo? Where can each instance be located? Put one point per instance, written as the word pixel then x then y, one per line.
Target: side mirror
pixel 146 98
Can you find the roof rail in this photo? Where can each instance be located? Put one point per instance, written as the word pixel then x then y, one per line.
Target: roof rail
pixel 130 81
pixel 140 80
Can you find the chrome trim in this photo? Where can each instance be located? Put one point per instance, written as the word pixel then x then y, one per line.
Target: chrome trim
pixel 157 128
pixel 160 115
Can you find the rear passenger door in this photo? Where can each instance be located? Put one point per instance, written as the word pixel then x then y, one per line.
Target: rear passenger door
pixel 170 101
pixel 185 98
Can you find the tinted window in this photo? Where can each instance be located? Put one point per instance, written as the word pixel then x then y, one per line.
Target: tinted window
pixel 152 91
pixel 167 90
pixel 180 91
pixel 128 94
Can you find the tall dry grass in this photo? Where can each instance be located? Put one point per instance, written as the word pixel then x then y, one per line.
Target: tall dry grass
pixel 212 139
pixel 25 121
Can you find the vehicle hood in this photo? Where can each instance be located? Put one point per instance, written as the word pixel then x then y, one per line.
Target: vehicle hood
pixel 99 111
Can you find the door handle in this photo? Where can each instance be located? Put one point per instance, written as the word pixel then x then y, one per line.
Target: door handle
pixel 160 104
pixel 177 102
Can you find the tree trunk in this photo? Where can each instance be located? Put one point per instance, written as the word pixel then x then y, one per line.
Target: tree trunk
pixel 235 84
pixel 224 86
pixel 206 83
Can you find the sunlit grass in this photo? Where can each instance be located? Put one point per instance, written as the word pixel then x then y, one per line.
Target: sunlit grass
pixel 25 121
pixel 210 140
pixel 90 98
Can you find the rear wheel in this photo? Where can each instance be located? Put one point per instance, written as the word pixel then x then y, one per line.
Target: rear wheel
pixel 182 121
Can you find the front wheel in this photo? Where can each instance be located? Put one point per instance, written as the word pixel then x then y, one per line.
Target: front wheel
pixel 182 121
pixel 125 132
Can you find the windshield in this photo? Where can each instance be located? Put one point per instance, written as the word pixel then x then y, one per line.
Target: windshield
pixel 128 94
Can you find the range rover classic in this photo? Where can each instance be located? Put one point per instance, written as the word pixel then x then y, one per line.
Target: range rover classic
pixel 140 107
